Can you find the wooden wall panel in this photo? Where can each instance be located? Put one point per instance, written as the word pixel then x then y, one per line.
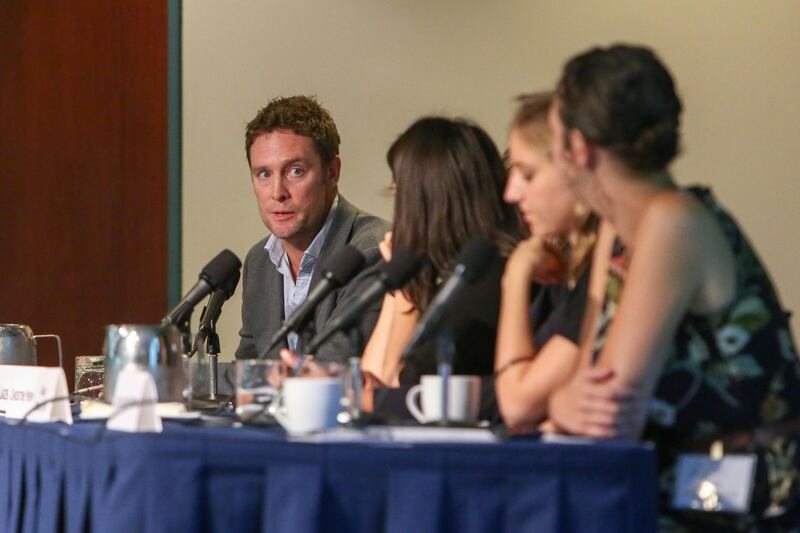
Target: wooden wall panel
pixel 83 167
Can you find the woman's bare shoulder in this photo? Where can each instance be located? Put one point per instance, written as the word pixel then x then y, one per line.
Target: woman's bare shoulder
pixel 680 223
pixel 676 214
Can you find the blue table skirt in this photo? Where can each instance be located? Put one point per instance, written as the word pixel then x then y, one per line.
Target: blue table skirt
pixel 78 478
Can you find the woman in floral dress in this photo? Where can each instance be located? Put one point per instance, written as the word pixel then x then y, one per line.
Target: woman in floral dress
pixel 686 341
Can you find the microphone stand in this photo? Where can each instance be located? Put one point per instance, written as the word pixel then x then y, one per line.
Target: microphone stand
pixel 208 334
pixel 445 349
pixel 356 340
pixel 212 350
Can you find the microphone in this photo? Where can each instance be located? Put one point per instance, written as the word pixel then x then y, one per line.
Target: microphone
pixel 337 271
pixel 391 275
pixel 472 262
pixel 213 309
pixel 215 274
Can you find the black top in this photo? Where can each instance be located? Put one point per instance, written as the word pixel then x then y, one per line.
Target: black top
pixel 555 310
pixel 558 310
pixel 472 319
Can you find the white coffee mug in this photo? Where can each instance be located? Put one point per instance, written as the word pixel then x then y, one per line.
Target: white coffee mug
pixel 463 399
pixel 308 404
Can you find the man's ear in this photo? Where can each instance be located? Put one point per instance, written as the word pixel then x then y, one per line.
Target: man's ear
pixel 334 169
pixel 583 152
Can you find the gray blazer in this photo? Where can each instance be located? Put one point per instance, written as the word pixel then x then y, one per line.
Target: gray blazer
pixel 262 293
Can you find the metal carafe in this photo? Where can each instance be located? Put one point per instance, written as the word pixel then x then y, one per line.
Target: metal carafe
pixel 18 345
pixel 154 348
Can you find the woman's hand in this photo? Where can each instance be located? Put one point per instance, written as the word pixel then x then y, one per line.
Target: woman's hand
pixel 535 259
pixel 385 246
pixel 591 405
pixel 369 384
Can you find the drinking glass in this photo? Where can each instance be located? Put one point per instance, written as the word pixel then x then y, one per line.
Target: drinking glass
pixel 89 375
pixel 258 382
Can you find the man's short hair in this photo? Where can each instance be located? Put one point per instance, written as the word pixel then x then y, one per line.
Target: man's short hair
pixel 302 115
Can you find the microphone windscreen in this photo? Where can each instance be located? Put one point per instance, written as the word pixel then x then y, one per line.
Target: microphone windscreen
pixel 400 269
pixel 342 266
pixel 221 268
pixel 229 286
pixel 476 257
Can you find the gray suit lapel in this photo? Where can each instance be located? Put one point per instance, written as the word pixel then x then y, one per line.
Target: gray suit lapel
pixel 338 236
pixel 273 314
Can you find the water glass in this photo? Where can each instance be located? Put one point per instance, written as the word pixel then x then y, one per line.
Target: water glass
pixel 258 382
pixel 89 375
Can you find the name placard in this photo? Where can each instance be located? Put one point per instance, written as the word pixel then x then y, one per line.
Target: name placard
pixel 134 402
pixel 23 387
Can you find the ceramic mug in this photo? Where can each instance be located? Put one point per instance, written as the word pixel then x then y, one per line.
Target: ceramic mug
pixel 308 404
pixel 463 399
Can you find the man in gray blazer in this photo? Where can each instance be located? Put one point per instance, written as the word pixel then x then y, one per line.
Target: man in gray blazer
pixel 292 148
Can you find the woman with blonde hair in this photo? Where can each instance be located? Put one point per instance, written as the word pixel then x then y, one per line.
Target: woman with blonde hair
pixel 537 342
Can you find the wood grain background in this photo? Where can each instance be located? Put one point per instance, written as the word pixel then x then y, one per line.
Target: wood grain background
pixel 83 168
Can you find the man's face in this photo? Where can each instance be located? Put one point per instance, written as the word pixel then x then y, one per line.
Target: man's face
pixel 294 189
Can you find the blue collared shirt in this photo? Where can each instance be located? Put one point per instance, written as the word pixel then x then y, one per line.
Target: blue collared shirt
pixel 295 291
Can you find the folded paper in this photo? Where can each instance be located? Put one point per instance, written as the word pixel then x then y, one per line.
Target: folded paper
pixel 24 387
pixel 134 402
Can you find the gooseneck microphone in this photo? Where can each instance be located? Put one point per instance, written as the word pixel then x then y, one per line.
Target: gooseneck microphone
pixel 472 262
pixel 392 275
pixel 213 309
pixel 337 271
pixel 216 273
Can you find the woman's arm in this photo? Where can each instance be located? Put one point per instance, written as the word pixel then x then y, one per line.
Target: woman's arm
pixel 395 324
pixel 404 320
pixel 375 350
pixel 523 385
pixel 677 248
pixel 396 321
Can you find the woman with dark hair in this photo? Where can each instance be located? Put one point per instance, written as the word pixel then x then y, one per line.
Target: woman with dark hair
pixel 696 346
pixel 448 179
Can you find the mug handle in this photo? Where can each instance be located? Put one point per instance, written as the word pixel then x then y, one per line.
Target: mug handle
pixel 58 340
pixel 411 403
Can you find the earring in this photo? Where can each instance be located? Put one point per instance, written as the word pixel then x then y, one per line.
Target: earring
pixel 581 212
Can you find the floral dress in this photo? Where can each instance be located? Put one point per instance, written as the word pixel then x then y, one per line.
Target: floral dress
pixel 730 371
